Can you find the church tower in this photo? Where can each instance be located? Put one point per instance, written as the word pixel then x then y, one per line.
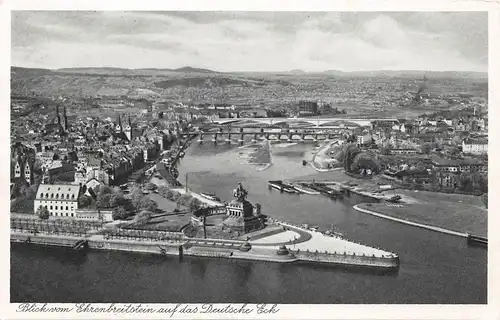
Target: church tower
pixel 118 127
pixel 58 116
pixel 65 120
pixel 128 129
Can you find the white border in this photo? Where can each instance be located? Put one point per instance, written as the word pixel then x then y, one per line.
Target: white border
pixel 489 311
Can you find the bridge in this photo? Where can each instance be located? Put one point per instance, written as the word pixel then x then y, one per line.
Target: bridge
pixel 318 122
pixel 300 134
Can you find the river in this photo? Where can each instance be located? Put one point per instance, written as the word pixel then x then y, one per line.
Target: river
pixel 435 268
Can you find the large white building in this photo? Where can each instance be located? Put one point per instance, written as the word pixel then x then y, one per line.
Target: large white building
pixel 60 199
pixel 472 147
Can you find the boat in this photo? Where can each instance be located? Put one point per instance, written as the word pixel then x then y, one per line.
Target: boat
pixel 394 199
pixel 283 187
pixel 210 196
pixel 476 240
pixel 304 189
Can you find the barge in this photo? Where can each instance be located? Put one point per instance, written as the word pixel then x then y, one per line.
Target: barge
pixel 305 189
pixel 279 185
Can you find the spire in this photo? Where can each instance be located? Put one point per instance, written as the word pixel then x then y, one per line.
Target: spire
pixel 65 119
pixel 58 115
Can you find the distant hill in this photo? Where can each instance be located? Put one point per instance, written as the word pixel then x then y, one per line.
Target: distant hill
pixel 101 70
pixel 191 69
pixel 297 71
pixel 210 82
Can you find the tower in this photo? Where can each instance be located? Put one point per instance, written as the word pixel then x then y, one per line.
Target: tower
pixel 118 127
pixel 128 129
pixel 65 120
pixel 58 115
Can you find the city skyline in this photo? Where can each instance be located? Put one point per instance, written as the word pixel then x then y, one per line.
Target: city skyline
pixel 252 41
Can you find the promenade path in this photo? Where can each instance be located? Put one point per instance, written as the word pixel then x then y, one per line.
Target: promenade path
pixel 323 243
pixel 211 203
pixel 278 238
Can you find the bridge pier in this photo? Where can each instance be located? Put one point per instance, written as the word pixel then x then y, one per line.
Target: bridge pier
pixel 254 138
pixel 302 137
pixel 228 140
pixel 290 137
pixel 316 138
pixel 214 139
pixel 200 139
pixel 267 136
pixel 241 140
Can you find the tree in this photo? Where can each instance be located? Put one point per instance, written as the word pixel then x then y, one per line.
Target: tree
pixel 119 213
pixel 466 183
pixel 136 197
pixel 351 152
pixel 483 183
pixel 103 190
pixel 104 200
pixel 175 196
pixel 116 199
pixel 148 204
pixel 366 161
pixel 169 194
pixel 162 190
pixel 42 212
pixel 85 201
pixel 142 217
pixel 194 204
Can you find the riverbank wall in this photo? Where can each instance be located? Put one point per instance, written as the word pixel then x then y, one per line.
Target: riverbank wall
pixel 211 248
pixel 162 248
pixel 389 262
pixel 411 223
pixel 45 239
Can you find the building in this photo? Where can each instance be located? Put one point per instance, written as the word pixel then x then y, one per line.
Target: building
pixel 365 139
pixel 60 199
pixel 94 215
pixel 474 147
pixel 403 151
pixel 241 216
pixel 308 108
pixel 23 168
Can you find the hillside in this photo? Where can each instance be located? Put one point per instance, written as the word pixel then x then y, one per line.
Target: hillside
pixel 359 93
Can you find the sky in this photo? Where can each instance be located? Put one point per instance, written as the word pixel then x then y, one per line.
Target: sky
pixel 251 41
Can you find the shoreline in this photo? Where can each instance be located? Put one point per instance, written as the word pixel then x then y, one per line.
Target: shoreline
pixel 214 248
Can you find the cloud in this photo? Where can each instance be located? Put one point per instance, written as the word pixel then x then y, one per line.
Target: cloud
pixel 229 41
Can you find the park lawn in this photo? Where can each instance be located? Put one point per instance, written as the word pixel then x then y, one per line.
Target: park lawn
pixel 165 204
pixel 172 223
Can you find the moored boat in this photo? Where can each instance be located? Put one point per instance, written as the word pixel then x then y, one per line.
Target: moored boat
pixel 304 189
pixel 281 186
pixel 209 196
